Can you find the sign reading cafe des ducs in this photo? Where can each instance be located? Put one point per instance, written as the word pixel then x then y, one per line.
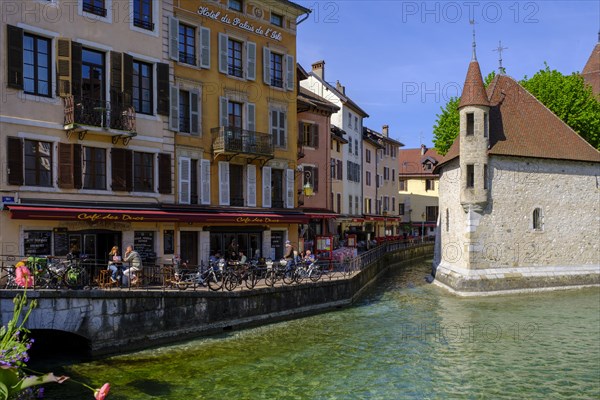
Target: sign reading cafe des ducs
pixel 245 25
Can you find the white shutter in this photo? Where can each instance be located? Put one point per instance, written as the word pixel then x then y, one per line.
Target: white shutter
pixel 251 61
pixel 251 170
pixel 223 49
pixel 289 187
pixel 223 112
pixel 184 180
pixel 204 246
pixel 204 47
pixel 251 116
pixel 267 66
pixel 173 38
pixel 266 250
pixel 195 112
pixel 266 187
pixel 223 183
pixel 204 181
pixel 289 66
pixel 174 109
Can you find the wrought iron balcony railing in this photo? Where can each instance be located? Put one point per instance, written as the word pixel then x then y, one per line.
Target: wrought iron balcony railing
pixel 236 141
pixel 100 113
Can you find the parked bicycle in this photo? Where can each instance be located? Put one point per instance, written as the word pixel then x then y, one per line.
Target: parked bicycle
pixel 308 270
pixel 237 274
pixel 211 277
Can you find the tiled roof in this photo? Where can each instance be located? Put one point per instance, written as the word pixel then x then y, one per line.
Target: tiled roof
pixel 591 71
pixel 311 99
pixel 411 161
pixel 520 125
pixel 473 90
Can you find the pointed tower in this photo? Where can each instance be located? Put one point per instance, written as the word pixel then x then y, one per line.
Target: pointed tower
pixel 591 71
pixel 474 110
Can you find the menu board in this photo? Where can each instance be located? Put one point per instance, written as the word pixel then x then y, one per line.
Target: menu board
pixel 37 243
pixel 143 243
pixel 169 242
pixel 61 241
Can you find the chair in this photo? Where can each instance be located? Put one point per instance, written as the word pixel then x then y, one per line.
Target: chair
pixel 104 281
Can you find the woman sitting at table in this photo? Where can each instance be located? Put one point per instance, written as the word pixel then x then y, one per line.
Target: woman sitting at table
pixel 114 263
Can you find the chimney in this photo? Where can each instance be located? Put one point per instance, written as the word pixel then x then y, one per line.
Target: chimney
pixel 385 130
pixel 318 68
pixel 423 149
pixel 340 88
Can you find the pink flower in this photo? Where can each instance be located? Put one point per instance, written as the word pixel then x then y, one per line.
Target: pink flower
pixel 100 394
pixel 23 276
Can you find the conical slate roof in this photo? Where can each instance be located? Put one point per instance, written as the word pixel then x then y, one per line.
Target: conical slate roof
pixel 473 93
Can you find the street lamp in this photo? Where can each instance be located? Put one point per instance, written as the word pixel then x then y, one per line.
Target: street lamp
pixel 307 188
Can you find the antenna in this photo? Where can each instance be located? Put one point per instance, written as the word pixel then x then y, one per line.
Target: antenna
pixel 499 49
pixel 474 57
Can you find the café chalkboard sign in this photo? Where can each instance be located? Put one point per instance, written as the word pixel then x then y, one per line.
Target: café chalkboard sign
pixel 37 243
pixel 61 241
pixel 143 243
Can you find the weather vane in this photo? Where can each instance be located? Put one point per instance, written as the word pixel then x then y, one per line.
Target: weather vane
pixel 472 22
pixel 499 49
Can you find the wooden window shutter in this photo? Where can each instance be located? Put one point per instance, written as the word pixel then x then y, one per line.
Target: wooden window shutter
pixel 267 66
pixel 223 111
pixel 195 112
pixel 314 130
pixel 289 187
pixel 63 67
pixel 223 183
pixel 266 187
pixel 127 80
pixel 120 169
pixel 76 79
pixel 162 80
pixel 174 108
pixel 77 167
pixel 251 116
pixel 184 180
pixel 14 37
pixel 205 181
pixel 204 47
pixel 164 173
pixel 14 157
pixel 116 76
pixel 289 73
pixel 251 189
pixel 315 179
pixel 173 38
pixel 223 53
pixel 65 166
pixel 251 61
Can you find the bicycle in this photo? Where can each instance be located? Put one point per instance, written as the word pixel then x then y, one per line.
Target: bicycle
pixel 308 270
pixel 243 273
pixel 280 271
pixel 210 277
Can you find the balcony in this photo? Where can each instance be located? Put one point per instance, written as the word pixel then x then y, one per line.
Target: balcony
pixel 84 114
pixel 231 142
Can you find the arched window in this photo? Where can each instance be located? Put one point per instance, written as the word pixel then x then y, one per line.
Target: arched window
pixel 538 223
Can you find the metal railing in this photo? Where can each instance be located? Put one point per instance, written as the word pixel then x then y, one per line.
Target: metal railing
pixel 100 113
pixel 228 139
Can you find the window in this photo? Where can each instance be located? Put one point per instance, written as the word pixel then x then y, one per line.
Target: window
pixel 368 178
pixel 356 123
pixel 368 156
pixel 36 65
pixel 353 172
pixel 350 119
pixel 38 163
pixel 333 162
pixel 184 111
pixel 340 169
pixel 357 205
pixel 349 204
pixel 93 77
pixel 337 147
pixel 393 204
pixel 194 181
pixel 393 175
pixel 187 44
pixel 235 5
pixel 276 19
pixel 400 208
pixel 470 124
pixel 142 87
pixel 470 176
pixel 234 58
pixel 143 172
pixel 278 127
pixel 386 203
pixel 386 173
pixel 349 145
pixel 310 134
pixel 367 205
pixel 538 220
pixel 429 184
pixel 142 14
pixel 431 213
pixel 276 70
pixel 402 185
pixel 96 7
pixel 94 168
pixel 485 125
pixel 356 147
pixel 485 176
pixel 234 113
pixel 339 203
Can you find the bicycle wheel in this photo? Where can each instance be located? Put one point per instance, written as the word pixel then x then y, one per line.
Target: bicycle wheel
pixel 289 276
pixel 251 279
pixel 231 281
pixel 270 278
pixel 214 282
pixel 300 274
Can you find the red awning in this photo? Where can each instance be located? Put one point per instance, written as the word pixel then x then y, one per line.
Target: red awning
pixel 94 215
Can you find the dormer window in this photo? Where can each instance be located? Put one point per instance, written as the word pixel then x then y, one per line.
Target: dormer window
pixel 276 19
pixel 235 5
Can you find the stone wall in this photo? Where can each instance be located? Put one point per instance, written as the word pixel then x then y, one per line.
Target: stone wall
pixel 115 321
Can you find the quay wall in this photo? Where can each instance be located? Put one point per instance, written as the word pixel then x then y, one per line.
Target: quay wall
pixel 117 321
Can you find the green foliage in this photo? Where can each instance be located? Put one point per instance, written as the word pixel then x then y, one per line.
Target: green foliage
pixel 567 96
pixel 570 99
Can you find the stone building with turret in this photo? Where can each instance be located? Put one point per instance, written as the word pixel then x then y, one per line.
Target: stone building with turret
pixel 519 204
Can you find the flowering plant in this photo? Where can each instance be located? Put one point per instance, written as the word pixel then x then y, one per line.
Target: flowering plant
pixel 16 380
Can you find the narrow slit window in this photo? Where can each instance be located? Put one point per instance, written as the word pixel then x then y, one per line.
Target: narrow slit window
pixel 470 124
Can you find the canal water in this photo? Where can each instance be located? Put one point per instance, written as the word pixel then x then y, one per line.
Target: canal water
pixel 404 338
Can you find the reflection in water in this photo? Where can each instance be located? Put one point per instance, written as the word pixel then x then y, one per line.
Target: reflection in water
pixel 404 339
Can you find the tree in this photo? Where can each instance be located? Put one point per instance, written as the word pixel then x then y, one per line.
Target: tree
pixel 567 96
pixel 570 99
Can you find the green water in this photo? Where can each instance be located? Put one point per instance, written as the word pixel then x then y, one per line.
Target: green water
pixel 403 339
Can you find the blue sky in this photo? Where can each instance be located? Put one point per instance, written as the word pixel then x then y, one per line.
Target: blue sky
pixel 401 60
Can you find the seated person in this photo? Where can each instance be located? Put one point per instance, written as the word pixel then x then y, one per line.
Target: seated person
pixel 243 257
pixel 114 263
pixel 309 257
pixel 132 257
